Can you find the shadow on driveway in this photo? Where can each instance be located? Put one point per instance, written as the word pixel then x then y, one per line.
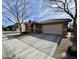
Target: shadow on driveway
pixel 49 37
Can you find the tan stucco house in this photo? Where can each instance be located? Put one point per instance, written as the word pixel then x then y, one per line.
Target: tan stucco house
pixel 51 26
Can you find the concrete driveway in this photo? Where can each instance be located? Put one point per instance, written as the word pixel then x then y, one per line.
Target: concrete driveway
pixel 39 46
pixel 45 43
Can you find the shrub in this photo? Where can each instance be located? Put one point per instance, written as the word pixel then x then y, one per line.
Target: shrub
pixel 72 51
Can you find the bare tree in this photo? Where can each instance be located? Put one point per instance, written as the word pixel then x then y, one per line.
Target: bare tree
pixel 64 6
pixel 15 11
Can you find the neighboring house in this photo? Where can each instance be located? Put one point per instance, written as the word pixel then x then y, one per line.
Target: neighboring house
pixel 3 27
pixel 10 28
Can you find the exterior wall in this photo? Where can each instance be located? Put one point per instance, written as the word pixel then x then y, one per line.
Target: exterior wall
pixel 56 27
pixel 17 30
pixel 26 27
pixel 31 28
pixel 65 27
pixel 23 27
pixel 52 29
pixel 39 28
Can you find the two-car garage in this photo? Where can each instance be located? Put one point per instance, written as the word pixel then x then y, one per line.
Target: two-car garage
pixel 52 29
pixel 54 26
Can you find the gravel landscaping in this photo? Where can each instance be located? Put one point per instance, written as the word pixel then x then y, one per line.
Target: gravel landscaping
pixel 65 43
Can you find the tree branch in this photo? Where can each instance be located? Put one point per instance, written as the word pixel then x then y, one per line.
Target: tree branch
pixel 17 11
pixel 23 12
pixel 10 19
pixel 11 8
pixel 68 12
pixel 75 9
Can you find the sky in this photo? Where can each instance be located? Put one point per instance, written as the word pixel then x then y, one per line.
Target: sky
pixel 37 10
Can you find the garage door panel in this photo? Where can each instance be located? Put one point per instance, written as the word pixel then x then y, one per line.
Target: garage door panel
pixel 53 29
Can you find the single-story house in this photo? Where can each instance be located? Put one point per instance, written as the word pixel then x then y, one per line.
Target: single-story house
pixel 54 26
pixel 51 26
pixel 10 28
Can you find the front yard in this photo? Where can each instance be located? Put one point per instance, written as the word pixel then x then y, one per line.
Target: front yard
pixel 49 44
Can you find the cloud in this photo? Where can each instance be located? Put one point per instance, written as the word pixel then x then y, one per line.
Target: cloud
pixel 39 10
